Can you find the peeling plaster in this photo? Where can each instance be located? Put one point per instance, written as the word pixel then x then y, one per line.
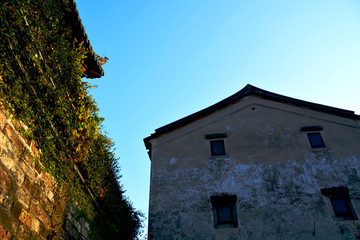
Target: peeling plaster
pixel 173 161
pixel 274 200
pixel 269 166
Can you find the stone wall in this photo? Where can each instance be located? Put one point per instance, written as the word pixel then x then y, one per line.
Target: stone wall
pixel 74 226
pixel 29 208
pixel 269 165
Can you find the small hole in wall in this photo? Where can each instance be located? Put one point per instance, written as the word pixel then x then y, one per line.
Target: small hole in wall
pixel 253 108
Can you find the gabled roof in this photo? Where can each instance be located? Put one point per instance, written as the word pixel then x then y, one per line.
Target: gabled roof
pixel 92 66
pixel 247 91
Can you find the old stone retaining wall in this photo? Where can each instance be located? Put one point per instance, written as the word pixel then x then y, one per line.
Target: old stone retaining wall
pixel 29 206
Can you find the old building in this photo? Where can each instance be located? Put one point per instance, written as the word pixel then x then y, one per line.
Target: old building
pixel 256 165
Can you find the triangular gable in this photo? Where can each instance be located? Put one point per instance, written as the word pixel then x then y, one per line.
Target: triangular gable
pixel 248 90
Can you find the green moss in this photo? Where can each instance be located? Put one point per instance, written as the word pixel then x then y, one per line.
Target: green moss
pixel 41 69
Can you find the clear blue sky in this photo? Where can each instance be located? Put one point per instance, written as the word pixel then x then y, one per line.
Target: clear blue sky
pixel 168 59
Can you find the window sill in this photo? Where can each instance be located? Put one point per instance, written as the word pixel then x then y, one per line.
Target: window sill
pixel 319 149
pixel 230 225
pixel 224 157
pixel 345 220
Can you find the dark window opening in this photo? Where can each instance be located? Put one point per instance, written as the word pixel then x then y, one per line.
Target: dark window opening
pixel 341 203
pixel 224 211
pixel 316 140
pixel 341 207
pixel 224 214
pixel 217 147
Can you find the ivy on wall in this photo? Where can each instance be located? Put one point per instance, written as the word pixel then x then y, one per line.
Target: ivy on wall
pixel 41 84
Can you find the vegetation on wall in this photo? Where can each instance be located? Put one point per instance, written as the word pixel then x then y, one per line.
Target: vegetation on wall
pixel 41 84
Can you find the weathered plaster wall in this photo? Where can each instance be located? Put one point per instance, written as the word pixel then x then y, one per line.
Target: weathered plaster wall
pixel 29 208
pixel 269 165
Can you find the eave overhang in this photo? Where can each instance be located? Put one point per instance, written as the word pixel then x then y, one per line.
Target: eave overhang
pixel 93 68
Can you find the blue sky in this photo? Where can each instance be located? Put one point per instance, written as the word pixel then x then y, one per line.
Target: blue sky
pixel 168 59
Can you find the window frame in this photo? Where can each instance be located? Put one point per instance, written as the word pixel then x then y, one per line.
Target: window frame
pixel 224 201
pixel 216 138
pixel 311 131
pixel 340 193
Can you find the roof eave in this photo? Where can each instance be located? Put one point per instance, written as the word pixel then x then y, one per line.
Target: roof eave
pixel 246 91
pixel 93 68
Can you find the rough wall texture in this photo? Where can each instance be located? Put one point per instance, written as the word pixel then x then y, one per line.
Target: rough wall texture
pixel 74 227
pixel 29 208
pixel 270 167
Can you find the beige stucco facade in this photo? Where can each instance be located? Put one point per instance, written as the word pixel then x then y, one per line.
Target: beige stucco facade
pixel 270 167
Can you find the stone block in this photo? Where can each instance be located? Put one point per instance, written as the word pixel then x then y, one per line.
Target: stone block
pixel 48 206
pixel 6 201
pixel 35 225
pixel 19 176
pixel 71 231
pixel 84 233
pixel 3 198
pixel 40 214
pixel 16 123
pixel 4 181
pixel 50 195
pixel 87 226
pixel 20 127
pixel 37 167
pixel 8 162
pixel 4 234
pixel 3 119
pixel 77 224
pixel 29 160
pixel 16 209
pixel 14 137
pixel 32 188
pixel 49 181
pixel 34 150
pixel 7 147
pixel 23 197
pixel 25 218
pixel 26 140
pixel 28 170
pixel 11 165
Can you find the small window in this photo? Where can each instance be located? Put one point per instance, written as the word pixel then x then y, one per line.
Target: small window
pixel 217 143
pixel 224 211
pixel 217 147
pixel 340 202
pixel 314 135
pixel 316 140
